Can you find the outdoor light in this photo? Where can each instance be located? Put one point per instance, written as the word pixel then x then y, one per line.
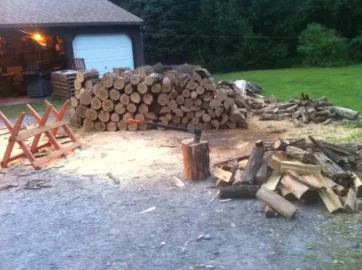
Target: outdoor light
pixel 37 37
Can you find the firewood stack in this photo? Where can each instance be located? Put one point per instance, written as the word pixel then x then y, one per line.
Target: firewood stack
pixel 303 110
pixel 281 172
pixel 177 95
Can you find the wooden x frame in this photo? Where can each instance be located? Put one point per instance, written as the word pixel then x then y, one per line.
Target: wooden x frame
pixel 50 130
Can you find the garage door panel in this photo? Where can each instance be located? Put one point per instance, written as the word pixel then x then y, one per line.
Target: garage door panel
pixel 103 52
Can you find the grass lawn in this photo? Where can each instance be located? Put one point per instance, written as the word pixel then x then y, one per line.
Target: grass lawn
pixel 342 86
pixel 13 112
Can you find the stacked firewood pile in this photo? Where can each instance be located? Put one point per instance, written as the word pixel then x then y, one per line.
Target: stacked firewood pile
pixel 304 110
pixel 278 173
pixel 177 95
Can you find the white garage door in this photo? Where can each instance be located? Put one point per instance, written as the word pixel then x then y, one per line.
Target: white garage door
pixel 104 51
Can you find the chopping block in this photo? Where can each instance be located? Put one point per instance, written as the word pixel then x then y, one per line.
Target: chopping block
pixel 196 158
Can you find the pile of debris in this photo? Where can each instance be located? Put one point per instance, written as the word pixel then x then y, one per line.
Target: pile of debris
pixel 305 110
pixel 184 96
pixel 277 173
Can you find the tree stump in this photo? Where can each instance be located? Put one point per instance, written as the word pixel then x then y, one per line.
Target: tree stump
pixel 196 160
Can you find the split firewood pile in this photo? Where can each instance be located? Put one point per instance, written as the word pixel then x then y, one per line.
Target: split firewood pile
pixel 278 173
pixel 184 96
pixel 305 110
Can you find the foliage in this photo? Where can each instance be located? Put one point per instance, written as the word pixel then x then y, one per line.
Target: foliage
pixel 250 34
pixel 320 46
pixel 354 49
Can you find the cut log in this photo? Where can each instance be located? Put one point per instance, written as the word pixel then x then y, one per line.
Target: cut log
pixel 81 111
pixel 200 90
pixel 132 127
pixel 131 107
pixel 180 100
pixel 115 117
pixel 152 79
pixel 151 116
pixel 345 113
pixel 75 120
pixel 299 154
pixel 208 96
pixel 351 205
pixel 276 202
pixel 103 94
pixel 275 162
pixel 111 126
pixel 329 168
pixel 311 113
pixel 172 105
pixel 107 81
pixel 142 88
pixel 85 98
pixel 215 103
pixel 215 123
pixel 143 109
pixel 119 83
pixel 302 169
pixel 88 125
pixel 120 109
pixel 192 85
pixel 135 79
pixel 114 94
pixel 196 160
pixel 127 116
pixel 124 99
pixel 308 180
pixel 235 116
pixel 264 170
pixel 222 174
pixel 100 126
pixel 128 89
pixel 97 87
pixel 156 88
pixel 166 85
pixel 329 198
pixel 104 116
pixel 91 114
pixel 122 125
pixel 206 118
pixel 135 97
pixel 328 152
pixel 188 102
pixel 282 144
pixel 273 180
pixel 96 103
pixel 254 163
pixel 219 112
pixel 297 188
pixel 238 192
pixel 194 95
pixel 107 105
pixel 74 102
pixel 163 99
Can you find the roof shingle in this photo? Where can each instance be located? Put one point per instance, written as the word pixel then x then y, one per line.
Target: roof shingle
pixel 32 13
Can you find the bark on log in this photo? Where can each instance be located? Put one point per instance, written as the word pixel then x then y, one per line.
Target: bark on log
pixel 196 160
pixel 238 192
pixel 254 163
pixel 345 113
pixel 329 168
pixel 276 202
pixel 264 170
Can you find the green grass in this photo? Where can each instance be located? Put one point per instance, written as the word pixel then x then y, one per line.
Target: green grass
pixel 13 112
pixel 342 86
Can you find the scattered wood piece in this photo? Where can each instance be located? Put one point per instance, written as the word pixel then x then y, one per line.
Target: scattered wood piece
pixel 351 205
pixel 273 180
pixel 276 202
pixel 115 179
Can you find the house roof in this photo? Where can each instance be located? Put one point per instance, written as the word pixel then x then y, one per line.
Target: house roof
pixel 33 13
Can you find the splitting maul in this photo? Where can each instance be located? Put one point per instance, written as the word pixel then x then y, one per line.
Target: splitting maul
pixel 197 132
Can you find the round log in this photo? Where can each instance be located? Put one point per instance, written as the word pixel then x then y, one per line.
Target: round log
pixel 88 125
pixel 135 79
pixel 180 100
pixel 173 94
pixel 215 103
pixel 211 112
pixel 100 126
pixel 192 85
pixel 147 98
pixel 178 112
pixel 215 123
pixel 124 99
pixel 135 97
pixel 188 102
pixel 143 109
pixel 127 116
pixel 119 83
pixel 96 103
pixel 206 118
pixel 107 105
pixel 185 109
pixel 103 94
pixel 85 98
pixel 228 103
pixel 91 114
pixel 194 95
pixel 176 119
pixel 205 104
pixel 97 87
pixel 122 125
pixel 131 107
pixel 111 126
pixel 166 85
pixel 115 117
pixel 185 120
pixel 114 94
pixel 186 93
pixel 208 96
pixel 128 89
pixel 81 111
pixel 221 95
pixel 156 88
pixel 140 117
pixel 77 85
pixel 200 113
pixel 75 120
pixel 198 102
pixel 74 102
pixel 151 116
pixel 172 105
pixel 77 94
pixel 104 116
pixel 207 126
pixel 120 109
pixel 132 127
pixel 107 81
pixel 163 99
pixel 142 88
pixel 200 90
pixel 219 111
pixel 195 120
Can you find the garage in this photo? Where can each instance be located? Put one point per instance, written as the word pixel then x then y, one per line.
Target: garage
pixel 38 38
pixel 104 51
